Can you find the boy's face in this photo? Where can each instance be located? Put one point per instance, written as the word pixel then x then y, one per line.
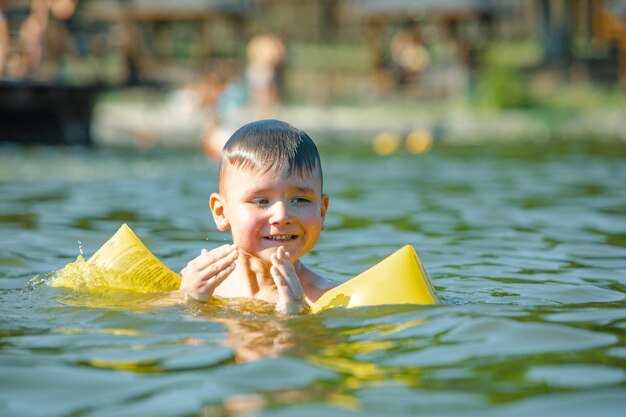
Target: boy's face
pixel 265 211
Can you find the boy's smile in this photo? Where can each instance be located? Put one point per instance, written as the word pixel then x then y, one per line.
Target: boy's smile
pixel 281 238
pixel 271 209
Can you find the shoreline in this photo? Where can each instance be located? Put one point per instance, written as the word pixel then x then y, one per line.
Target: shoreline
pixel 174 124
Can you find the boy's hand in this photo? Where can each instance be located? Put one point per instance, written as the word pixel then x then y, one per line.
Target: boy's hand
pixel 202 275
pixel 290 292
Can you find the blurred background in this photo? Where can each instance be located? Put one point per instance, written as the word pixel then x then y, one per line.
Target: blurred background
pixel 188 72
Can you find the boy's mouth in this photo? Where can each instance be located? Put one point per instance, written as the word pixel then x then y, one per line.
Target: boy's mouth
pixel 281 238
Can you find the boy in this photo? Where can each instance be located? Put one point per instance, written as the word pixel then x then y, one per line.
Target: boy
pixel 270 197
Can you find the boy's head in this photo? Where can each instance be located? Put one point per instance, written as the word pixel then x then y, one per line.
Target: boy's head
pixel 270 190
pixel 270 145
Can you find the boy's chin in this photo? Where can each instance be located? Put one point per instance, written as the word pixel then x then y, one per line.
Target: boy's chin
pixel 267 252
pixel 264 255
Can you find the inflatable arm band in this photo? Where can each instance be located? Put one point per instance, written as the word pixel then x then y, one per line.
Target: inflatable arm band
pixel 124 262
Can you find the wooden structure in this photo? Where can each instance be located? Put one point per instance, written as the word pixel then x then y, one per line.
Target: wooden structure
pixel 38 113
pixel 162 32
pixel 57 109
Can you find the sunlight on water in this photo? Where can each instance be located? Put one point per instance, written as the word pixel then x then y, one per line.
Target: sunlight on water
pixel 526 246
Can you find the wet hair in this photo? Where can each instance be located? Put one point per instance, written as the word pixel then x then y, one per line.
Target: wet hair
pixel 268 145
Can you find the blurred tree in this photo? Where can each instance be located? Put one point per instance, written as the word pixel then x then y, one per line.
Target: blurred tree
pixel 329 22
pixel 556 39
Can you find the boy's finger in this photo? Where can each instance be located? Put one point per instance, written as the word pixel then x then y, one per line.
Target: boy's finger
pixel 292 277
pixel 296 289
pixel 289 278
pixel 219 252
pixel 220 277
pixel 207 257
pixel 281 284
pixel 291 282
pixel 278 254
pixel 212 269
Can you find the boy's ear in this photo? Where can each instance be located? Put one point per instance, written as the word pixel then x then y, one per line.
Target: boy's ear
pixel 324 207
pixel 216 203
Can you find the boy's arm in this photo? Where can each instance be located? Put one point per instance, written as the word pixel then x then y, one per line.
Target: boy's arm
pixel 287 282
pixel 203 274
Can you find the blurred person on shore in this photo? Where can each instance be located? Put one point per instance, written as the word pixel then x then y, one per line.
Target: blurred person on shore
pixel 31 39
pixel 266 59
pixel 130 42
pixel 58 42
pixel 45 40
pixel 4 43
pixel 253 96
pixel 220 95
pixel 262 93
pixel 408 55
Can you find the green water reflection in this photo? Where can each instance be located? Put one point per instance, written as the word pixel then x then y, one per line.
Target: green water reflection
pixel 525 245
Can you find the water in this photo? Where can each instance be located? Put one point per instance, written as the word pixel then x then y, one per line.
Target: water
pixel 526 246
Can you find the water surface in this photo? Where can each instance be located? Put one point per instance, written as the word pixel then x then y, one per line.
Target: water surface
pixel 526 245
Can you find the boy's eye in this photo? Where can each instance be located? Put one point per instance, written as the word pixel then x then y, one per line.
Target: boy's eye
pixel 300 200
pixel 260 201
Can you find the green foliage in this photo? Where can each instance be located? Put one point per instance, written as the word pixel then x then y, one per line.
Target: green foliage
pixel 503 87
pixel 332 57
pixel 515 54
pixel 501 84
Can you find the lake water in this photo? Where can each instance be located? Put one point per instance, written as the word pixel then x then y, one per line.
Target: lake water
pixel 526 245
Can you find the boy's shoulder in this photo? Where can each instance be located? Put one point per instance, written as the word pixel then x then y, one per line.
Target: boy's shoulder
pixel 313 284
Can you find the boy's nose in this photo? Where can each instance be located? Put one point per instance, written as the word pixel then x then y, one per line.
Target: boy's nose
pixel 280 213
